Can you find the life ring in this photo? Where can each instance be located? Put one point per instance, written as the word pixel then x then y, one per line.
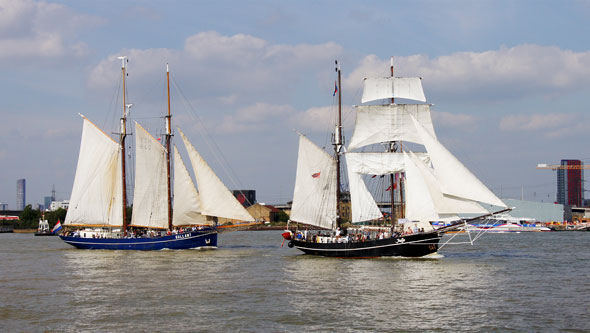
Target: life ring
pixel 290 244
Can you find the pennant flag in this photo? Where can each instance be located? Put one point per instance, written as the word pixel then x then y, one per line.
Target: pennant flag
pixel 335 89
pixel 388 189
pixel 316 175
pixel 373 176
pixel 57 227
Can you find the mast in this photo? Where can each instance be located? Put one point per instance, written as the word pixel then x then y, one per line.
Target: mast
pixel 122 136
pixel 168 136
pixel 392 148
pixel 337 146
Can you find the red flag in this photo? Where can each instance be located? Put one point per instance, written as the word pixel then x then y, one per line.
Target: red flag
pixel 335 89
pixel 373 176
pixel 316 175
pixel 388 189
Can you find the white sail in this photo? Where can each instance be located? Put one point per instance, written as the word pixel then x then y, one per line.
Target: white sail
pixel 216 199
pixel 385 123
pixel 314 197
pixel 187 205
pixel 418 201
pixel 393 87
pixel 455 178
pixel 363 205
pixel 96 186
pixel 150 199
pixel 444 205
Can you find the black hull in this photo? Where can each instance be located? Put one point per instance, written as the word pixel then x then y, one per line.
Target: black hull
pixel 416 245
pixel 49 233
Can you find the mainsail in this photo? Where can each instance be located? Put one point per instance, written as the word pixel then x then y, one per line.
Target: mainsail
pixel 187 205
pixel 150 199
pixel 314 197
pixel 96 194
pixel 216 199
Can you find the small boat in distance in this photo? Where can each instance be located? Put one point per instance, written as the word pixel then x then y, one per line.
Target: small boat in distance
pixel 43 228
pixel 97 214
pixel 428 186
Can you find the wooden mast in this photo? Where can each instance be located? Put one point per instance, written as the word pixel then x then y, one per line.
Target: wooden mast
pixel 392 148
pixel 337 146
pixel 168 136
pixel 122 136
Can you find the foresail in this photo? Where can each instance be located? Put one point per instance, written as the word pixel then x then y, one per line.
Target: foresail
pixel 187 205
pixel 418 200
pixel 444 205
pixel 96 186
pixel 385 123
pixel 455 178
pixel 216 199
pixel 363 206
pixel 393 87
pixel 150 198
pixel 314 197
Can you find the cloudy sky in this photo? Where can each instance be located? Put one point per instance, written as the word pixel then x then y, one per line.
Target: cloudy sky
pixel 509 80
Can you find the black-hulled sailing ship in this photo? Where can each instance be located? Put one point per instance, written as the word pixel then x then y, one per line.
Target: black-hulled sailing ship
pixel 432 185
pixel 96 218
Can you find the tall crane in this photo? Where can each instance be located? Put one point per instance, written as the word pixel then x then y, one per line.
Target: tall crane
pixel 562 167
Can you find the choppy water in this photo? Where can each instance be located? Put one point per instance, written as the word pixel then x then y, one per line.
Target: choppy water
pixel 521 282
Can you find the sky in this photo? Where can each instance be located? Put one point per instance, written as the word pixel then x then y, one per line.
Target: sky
pixel 508 80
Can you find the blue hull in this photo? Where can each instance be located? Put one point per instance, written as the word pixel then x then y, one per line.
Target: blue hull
pixel 187 240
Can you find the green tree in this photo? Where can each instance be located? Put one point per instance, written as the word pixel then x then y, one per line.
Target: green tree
pixel 29 218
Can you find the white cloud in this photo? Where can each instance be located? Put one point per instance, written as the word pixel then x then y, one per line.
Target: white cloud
pixel 254 118
pixel 520 71
pixel 551 125
pixel 454 120
pixel 41 30
pixel 322 118
pixel 241 68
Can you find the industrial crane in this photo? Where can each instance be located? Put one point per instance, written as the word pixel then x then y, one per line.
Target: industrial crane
pixel 562 167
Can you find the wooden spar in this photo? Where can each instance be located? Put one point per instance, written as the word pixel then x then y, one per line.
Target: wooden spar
pixel 122 136
pixel 337 145
pixel 392 148
pixel 461 223
pixel 168 136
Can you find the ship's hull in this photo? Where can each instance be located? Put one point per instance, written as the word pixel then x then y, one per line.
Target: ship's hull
pixel 44 233
pixel 416 245
pixel 189 240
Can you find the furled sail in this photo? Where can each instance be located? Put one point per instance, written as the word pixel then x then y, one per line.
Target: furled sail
pixel 187 205
pixel 97 191
pixel 314 197
pixel 455 178
pixel 393 87
pixel 385 123
pixel 150 198
pixel 216 199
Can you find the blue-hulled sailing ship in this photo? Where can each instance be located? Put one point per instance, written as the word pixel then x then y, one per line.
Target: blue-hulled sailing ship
pixel 97 215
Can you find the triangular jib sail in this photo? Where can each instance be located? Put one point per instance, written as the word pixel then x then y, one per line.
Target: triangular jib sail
pixel 187 204
pixel 216 199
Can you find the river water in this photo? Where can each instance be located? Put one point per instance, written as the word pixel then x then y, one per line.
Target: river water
pixel 521 282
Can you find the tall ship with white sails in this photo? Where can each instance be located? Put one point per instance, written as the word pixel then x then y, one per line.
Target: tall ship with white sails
pixel 96 218
pixel 431 186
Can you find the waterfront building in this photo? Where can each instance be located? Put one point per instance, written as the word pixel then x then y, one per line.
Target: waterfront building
pixel 262 212
pixel 21 194
pixel 537 211
pixel 55 205
pixel 570 183
pixel 47 202
pixel 246 197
